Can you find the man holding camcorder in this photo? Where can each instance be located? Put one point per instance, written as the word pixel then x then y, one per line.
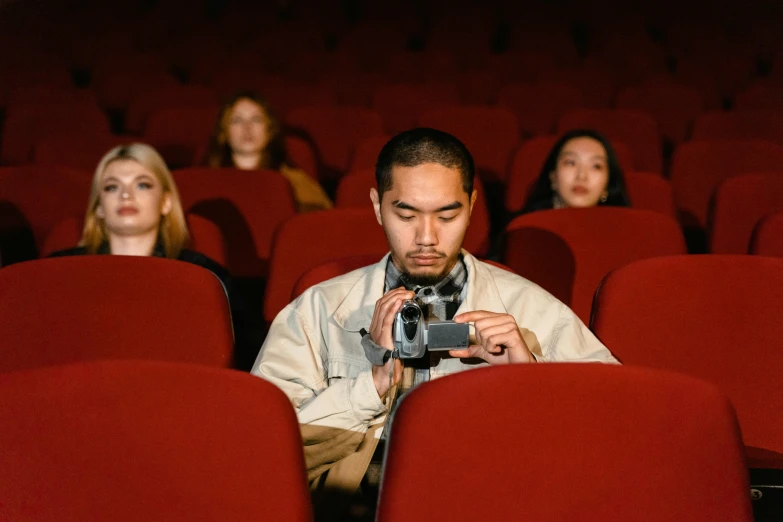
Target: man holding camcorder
pixel 346 349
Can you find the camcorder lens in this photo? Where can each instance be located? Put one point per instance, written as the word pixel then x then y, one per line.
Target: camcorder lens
pixel 411 314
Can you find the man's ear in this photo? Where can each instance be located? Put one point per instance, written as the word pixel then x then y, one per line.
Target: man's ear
pixel 473 197
pixel 167 204
pixel 376 204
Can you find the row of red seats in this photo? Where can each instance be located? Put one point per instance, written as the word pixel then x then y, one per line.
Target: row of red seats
pixel 135 431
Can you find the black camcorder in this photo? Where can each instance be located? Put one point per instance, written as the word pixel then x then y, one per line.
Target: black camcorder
pixel 414 333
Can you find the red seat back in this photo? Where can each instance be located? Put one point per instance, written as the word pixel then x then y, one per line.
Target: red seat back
pixel 715 317
pixel 112 307
pixel 673 106
pixel 401 105
pixel 638 130
pixel 698 167
pixel 367 152
pixel 599 239
pixel 247 206
pixel 740 125
pixel 144 103
pixel 570 449
pixel 768 237
pixel 738 205
pixel 308 240
pixel 490 133
pixel 180 133
pixel 151 438
pixel 77 151
pixel 539 106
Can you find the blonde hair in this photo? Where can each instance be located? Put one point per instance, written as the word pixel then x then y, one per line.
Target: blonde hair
pixel 172 231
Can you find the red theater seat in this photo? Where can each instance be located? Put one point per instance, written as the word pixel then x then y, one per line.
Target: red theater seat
pixel 147 441
pixel 583 245
pixel 490 133
pixel 180 133
pixel 166 97
pixel 247 206
pixel 698 167
pixel 539 106
pixel 740 125
pixel 768 237
pixel 335 131
pixel 367 150
pixel 120 75
pixel 112 307
pixel 561 456
pixel 401 105
pixel 716 317
pixel 738 205
pixel 308 240
pixel 77 151
pixel 673 106
pixel 638 130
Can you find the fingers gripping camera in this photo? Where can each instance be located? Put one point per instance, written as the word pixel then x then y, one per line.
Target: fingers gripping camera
pixel 413 333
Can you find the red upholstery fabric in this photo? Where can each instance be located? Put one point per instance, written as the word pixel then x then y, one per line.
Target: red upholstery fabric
pixel 68 309
pixel 710 316
pixel 760 97
pixel 247 206
pixel 300 154
pixel 599 239
pixel 768 237
pixel 638 130
pixel 180 133
pixel 528 160
pixel 367 151
pixel 335 131
pixel 24 128
pixel 579 435
pixel 401 105
pixel 740 125
pixel 144 103
pixel 205 237
pixel 354 191
pixel 308 240
pixel 738 205
pixel 116 78
pixel 43 196
pixel 490 133
pixel 539 106
pixel 673 106
pixel 77 151
pixel 148 441
pixel 699 166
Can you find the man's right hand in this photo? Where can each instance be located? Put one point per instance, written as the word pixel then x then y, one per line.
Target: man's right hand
pixel 381 333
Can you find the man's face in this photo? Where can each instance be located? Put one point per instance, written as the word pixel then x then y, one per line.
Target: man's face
pixel 425 216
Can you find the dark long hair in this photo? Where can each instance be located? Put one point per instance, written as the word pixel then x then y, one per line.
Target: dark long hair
pixel 542 196
pixel 219 153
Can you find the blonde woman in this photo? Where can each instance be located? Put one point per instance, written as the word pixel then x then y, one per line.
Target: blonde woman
pixel 134 209
pixel 247 136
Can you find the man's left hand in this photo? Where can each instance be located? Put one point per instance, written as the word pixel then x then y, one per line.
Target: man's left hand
pixel 498 339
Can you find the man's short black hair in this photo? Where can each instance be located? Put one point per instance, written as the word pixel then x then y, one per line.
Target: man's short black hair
pixel 419 146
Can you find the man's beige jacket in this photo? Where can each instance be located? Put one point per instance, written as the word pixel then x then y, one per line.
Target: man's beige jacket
pixel 313 353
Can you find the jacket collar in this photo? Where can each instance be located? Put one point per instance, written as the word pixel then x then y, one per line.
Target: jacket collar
pixel 356 310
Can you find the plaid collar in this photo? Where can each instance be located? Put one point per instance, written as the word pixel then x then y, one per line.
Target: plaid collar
pixel 447 290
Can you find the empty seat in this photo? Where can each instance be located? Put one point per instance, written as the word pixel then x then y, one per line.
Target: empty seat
pixel 673 106
pixel 529 159
pixel 740 125
pixel 367 151
pixel 247 206
pixel 335 131
pixel 698 167
pixel 205 237
pixel 401 105
pixel 24 128
pixel 307 240
pixel 715 317
pixel 489 133
pixel 760 97
pixel 539 106
pixel 77 151
pixel 330 269
pixel 112 307
pixel 638 130
pixel 147 441
pixel 738 205
pixel 144 103
pixel 354 191
pixel 768 237
pixel 180 133
pixel 570 449
pixel 119 76
pixel 583 245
